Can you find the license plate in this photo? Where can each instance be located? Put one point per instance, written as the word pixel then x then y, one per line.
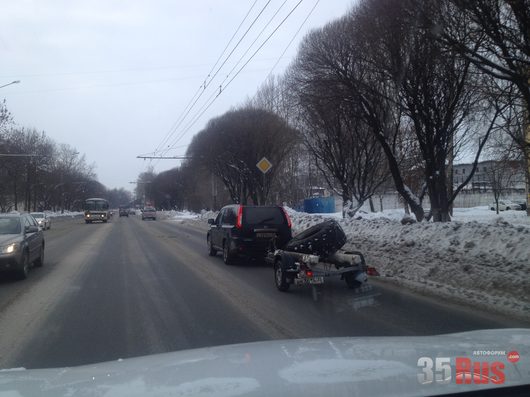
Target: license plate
pixel 265 235
pixel 316 280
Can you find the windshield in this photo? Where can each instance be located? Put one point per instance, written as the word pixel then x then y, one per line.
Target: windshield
pixel 263 216
pixel 96 205
pixel 216 173
pixel 9 226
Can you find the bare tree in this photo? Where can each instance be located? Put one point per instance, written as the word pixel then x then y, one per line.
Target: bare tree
pixel 333 60
pixel 345 151
pixel 232 144
pixel 292 180
pixel 495 36
pixel 500 176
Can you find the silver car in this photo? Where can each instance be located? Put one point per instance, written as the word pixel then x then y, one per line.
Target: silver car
pixel 505 205
pixel 21 244
pixel 42 219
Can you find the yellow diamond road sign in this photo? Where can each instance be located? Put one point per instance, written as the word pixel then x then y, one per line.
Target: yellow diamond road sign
pixel 264 165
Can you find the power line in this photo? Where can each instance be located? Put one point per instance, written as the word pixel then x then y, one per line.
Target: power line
pixel 164 157
pixel 206 83
pixel 221 89
pixel 234 67
pixel 292 39
pixel 262 44
pixel 232 38
pixel 174 126
pixel 253 42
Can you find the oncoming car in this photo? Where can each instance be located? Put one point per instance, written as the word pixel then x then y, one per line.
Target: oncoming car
pixel 42 219
pixel 21 244
pixel 149 213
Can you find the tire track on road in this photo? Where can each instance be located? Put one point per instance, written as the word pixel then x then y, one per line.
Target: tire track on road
pixel 21 320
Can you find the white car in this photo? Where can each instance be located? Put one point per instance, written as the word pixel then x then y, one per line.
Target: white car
pixel 42 219
pixel 505 205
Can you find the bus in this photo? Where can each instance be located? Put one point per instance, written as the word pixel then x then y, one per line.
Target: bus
pixel 96 209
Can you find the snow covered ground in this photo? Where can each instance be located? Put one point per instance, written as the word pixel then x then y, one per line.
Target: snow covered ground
pixel 57 214
pixel 480 258
pixel 67 214
pixel 180 216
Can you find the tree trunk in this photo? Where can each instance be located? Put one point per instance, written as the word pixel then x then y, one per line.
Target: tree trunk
pixel 372 208
pixel 15 195
pixel 393 165
pixel 345 203
pixel 438 196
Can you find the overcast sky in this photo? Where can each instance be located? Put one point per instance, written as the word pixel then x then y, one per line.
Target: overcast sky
pixel 111 78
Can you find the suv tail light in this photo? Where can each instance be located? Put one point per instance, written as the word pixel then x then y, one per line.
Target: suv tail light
pixel 289 224
pixel 239 220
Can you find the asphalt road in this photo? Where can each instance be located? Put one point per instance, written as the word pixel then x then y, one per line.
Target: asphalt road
pixel 130 288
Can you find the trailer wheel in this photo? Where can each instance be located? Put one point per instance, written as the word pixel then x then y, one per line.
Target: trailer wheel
pixel 322 239
pixel 280 278
pixel 351 282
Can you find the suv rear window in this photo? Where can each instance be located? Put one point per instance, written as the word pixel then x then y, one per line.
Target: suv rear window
pixel 263 216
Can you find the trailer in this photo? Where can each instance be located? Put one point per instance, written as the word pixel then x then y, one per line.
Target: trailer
pixel 293 268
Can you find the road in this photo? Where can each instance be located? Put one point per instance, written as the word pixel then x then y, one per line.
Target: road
pixel 130 288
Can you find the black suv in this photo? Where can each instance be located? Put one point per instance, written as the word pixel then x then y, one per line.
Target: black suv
pixel 248 230
pixel 124 211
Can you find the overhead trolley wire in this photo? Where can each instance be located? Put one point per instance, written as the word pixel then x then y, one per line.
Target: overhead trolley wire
pixel 292 39
pixel 209 79
pixel 221 89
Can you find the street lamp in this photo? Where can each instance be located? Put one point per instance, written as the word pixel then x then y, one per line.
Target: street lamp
pixel 13 82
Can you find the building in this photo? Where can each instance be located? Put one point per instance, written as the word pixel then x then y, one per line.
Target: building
pixel 487 172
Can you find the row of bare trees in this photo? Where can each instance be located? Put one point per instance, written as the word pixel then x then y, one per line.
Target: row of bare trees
pixel 37 173
pixel 222 163
pixel 390 94
pixel 401 81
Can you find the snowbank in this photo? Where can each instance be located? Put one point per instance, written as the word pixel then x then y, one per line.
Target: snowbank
pixel 478 259
pixel 65 214
pixel 181 215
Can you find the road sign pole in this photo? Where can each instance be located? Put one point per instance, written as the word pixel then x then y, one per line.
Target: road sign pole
pixel 264 165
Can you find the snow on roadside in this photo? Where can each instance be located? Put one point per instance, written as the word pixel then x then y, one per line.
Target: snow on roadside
pixel 65 214
pixel 180 216
pixel 480 258
pixel 483 262
pixel 485 215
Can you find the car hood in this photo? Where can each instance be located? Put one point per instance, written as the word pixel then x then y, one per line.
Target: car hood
pixel 6 239
pixel 375 366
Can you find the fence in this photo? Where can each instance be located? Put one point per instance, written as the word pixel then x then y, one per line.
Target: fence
pixel 463 200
